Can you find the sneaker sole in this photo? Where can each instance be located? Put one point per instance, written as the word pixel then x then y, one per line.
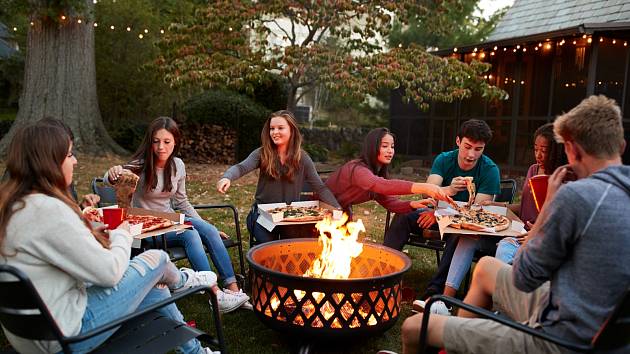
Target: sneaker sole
pixel 234 307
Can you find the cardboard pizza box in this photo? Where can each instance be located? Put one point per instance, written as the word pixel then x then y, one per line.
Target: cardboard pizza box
pixel 270 220
pixel 444 211
pixel 136 230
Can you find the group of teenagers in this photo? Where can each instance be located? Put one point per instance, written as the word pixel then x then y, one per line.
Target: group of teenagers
pixel 563 276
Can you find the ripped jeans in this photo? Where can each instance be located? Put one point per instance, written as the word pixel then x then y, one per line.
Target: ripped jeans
pixel 146 281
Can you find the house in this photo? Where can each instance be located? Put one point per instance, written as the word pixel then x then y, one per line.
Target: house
pixel 8 46
pixel 547 55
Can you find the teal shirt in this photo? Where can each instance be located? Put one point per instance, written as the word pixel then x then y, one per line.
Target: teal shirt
pixel 485 174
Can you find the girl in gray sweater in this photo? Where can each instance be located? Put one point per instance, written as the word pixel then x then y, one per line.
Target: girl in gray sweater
pixel 284 168
pixel 84 277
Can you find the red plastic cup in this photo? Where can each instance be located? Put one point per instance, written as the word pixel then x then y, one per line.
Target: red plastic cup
pixel 538 185
pixel 112 217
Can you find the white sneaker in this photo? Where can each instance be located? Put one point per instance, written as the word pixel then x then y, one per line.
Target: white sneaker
pixel 210 351
pixel 438 307
pixel 197 279
pixel 229 302
pixel 246 305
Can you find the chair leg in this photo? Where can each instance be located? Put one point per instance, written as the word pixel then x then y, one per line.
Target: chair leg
pixel 437 256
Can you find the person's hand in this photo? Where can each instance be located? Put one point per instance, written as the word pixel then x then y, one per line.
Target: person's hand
pixel 90 200
pixel 457 185
pixel 422 203
pixel 223 185
pixel 224 235
pixel 438 193
pixel 114 172
pixel 486 202
pixel 426 219
pixel 555 181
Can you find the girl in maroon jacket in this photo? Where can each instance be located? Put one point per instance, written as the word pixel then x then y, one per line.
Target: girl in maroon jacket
pixel 367 178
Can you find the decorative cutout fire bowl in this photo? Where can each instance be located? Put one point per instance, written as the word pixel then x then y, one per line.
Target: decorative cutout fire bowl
pixel 365 303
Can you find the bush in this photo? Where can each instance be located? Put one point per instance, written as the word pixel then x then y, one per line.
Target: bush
pixel 129 135
pixel 229 109
pixel 318 153
pixel 271 93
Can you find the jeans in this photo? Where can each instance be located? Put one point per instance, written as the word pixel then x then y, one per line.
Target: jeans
pixel 401 226
pixel 191 241
pixel 218 253
pixel 262 235
pixel 463 256
pixel 506 250
pixel 137 289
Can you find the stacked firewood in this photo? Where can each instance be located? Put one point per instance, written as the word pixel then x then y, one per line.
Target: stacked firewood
pixel 206 143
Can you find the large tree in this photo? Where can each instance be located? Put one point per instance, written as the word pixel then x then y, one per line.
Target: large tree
pixel 462 24
pixel 60 75
pixel 340 44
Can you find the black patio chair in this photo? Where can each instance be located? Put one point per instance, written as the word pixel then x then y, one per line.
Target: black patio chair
pixel 108 197
pixel 23 313
pixel 611 336
pixel 430 239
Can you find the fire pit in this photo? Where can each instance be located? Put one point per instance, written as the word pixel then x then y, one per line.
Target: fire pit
pixel 367 302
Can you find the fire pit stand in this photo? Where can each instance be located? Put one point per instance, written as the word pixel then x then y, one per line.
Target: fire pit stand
pixel 366 303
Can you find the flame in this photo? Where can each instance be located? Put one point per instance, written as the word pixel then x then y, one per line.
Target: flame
pixel 339 248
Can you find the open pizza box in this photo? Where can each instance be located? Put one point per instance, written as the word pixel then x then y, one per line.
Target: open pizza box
pixel 444 212
pixel 136 229
pixel 270 220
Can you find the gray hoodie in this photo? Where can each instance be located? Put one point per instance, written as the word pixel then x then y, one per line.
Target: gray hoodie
pixel 583 249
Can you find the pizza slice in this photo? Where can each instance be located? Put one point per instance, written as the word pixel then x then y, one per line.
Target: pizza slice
pixel 92 214
pixel 125 186
pixel 470 185
pixel 149 222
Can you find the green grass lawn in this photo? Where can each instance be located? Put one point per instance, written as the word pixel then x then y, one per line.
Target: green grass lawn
pixel 244 332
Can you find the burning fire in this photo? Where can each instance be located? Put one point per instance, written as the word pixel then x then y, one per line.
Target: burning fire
pixel 339 248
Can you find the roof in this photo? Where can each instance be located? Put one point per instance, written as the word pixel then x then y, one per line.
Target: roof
pixel 529 17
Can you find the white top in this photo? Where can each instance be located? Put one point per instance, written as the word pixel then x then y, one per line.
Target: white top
pixel 49 242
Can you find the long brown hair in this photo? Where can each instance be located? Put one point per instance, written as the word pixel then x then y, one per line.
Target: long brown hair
pixel 269 158
pixel 34 160
pixel 143 161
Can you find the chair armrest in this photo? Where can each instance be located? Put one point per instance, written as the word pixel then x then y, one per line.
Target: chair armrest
pixel 492 316
pixel 153 307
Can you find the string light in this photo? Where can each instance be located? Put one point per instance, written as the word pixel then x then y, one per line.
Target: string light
pixel 162 31
pixel 614 41
pixel 146 30
pixel 128 29
pixel 548 46
pixel 583 36
pixel 495 47
pixel 601 39
pixel 140 36
pixel 518 46
pixel 112 27
pixel 63 17
pixel 32 23
pixel 95 24
pixel 14 29
pixel 589 40
pixel 455 50
pixel 79 21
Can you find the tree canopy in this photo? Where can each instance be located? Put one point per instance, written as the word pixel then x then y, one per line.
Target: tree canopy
pixel 341 45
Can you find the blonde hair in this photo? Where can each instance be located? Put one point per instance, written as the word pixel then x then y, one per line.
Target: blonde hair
pixel 595 125
pixel 269 158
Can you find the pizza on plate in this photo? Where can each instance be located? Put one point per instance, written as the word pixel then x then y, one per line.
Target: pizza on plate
pixel 299 214
pixel 125 186
pixel 149 222
pixel 479 220
pixel 92 214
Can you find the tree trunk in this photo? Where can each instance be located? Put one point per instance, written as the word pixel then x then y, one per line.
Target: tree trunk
pixel 291 97
pixel 60 82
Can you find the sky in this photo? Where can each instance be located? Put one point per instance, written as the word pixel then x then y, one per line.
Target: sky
pixel 491 6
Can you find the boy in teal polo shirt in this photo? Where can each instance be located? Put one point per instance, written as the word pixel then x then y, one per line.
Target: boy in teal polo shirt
pixel 448 170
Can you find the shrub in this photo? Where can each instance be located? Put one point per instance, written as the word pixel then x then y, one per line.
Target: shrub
pixel 229 109
pixel 129 135
pixel 317 152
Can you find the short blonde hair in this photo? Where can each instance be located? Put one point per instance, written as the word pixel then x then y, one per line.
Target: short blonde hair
pixel 595 124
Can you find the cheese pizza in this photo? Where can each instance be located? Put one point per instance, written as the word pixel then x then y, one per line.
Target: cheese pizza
pixel 92 214
pixel 479 220
pixel 149 222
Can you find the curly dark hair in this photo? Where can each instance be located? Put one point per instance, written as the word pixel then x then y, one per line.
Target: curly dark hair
pixel 475 130
pixel 555 155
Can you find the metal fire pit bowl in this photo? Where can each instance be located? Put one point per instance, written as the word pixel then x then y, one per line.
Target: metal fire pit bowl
pixel 366 303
